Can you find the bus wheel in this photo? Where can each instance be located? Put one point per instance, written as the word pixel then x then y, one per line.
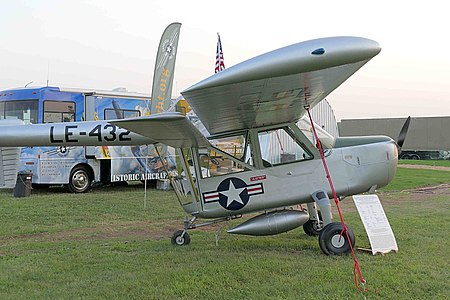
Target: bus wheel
pixel 80 180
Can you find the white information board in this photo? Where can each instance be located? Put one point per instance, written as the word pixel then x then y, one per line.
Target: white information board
pixel 375 222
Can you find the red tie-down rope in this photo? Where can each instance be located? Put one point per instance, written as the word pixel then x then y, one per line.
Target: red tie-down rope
pixel 356 269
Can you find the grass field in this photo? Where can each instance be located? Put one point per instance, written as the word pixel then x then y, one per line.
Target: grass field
pixel 412 178
pixel 105 245
pixel 442 163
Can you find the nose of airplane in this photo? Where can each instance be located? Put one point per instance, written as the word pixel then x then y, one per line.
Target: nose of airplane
pixel 375 164
pixel 392 160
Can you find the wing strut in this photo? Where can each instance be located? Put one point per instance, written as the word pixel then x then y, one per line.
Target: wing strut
pixel 356 269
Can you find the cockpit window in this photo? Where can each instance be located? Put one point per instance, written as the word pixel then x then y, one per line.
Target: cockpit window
pixel 235 145
pixel 278 146
pixel 326 139
pixel 214 162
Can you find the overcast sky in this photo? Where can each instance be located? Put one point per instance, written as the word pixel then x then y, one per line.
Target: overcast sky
pixel 105 44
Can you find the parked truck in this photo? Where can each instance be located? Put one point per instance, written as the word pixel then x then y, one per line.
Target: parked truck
pixel 427 137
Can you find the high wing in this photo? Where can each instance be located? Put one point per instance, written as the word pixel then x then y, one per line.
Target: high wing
pixel 172 129
pixel 274 87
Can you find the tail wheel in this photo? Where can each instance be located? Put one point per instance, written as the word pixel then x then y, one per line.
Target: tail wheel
pixel 181 238
pixel 333 241
pixel 80 180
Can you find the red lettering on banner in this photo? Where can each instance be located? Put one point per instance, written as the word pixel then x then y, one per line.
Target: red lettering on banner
pixel 257 178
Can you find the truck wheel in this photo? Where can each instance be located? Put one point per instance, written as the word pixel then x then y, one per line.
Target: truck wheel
pixel 80 180
pixel 405 156
pixel 415 157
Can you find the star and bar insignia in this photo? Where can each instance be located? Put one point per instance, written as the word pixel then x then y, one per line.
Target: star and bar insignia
pixel 233 193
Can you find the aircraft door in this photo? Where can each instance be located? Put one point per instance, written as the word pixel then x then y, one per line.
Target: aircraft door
pixel 184 183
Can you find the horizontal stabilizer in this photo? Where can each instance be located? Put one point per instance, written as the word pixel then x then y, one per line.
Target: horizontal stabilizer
pixel 9 166
pixel 172 129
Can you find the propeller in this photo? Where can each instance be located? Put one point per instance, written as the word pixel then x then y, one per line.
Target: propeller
pixel 402 135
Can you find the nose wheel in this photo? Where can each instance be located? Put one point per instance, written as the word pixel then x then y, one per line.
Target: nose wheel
pixel 333 241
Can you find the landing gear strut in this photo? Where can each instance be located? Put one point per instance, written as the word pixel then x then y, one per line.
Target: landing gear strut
pixel 315 223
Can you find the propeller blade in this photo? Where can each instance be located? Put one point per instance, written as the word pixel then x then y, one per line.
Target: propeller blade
pixel 403 131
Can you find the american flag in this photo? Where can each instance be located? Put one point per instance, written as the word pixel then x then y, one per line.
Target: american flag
pixel 220 64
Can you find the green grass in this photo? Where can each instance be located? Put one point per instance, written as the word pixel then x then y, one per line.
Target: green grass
pixel 105 245
pixel 406 179
pixel 442 163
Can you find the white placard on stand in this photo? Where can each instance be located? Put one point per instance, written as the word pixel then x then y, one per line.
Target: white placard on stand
pixel 375 222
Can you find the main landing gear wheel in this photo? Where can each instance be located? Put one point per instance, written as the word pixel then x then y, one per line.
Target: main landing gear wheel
pixel 181 238
pixel 313 228
pixel 332 243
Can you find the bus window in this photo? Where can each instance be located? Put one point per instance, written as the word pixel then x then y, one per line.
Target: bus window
pixel 58 111
pixel 25 110
pixel 118 113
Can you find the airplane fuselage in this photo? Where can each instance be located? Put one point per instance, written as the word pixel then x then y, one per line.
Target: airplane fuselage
pixel 354 169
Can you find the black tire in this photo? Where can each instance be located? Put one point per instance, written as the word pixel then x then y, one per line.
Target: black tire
pixel 80 180
pixel 332 243
pixel 415 157
pixel 180 239
pixel 312 228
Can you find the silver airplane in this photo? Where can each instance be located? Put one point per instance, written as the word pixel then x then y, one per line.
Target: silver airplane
pixel 258 157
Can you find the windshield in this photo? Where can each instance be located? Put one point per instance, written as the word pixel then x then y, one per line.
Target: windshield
pixel 25 110
pixel 326 139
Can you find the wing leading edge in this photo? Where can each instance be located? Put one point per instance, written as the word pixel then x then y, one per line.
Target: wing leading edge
pixel 172 129
pixel 274 87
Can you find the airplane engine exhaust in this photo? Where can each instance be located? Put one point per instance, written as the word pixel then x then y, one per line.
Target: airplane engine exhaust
pixel 271 223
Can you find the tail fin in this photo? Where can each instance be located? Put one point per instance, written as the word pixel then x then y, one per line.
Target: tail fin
pixel 9 166
pixel 164 69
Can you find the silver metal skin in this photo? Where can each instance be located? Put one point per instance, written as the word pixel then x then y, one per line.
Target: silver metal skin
pixel 90 133
pixel 354 170
pixel 273 88
pixel 272 223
